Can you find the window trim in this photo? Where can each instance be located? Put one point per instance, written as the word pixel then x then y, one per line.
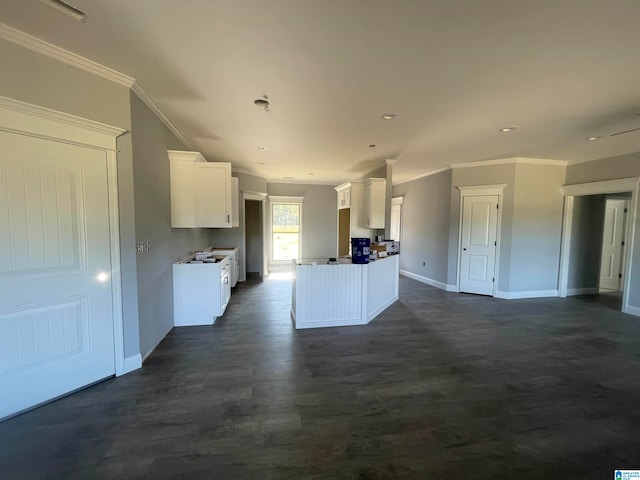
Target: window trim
pixel 284 200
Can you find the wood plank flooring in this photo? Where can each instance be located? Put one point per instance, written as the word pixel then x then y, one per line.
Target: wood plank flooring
pixel 439 386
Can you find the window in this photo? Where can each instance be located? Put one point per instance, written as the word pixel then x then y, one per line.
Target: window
pixel 286 228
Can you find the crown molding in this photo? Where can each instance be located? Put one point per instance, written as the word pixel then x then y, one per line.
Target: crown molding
pixel 423 175
pixel 45 48
pixel 517 160
pixel 300 182
pixel 146 99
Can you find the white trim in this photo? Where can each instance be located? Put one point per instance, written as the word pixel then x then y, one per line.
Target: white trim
pixel 598 188
pixel 632 310
pixel 516 160
pixel 423 175
pixel 632 185
pixel 279 200
pixel 471 190
pixel 565 246
pixel 397 200
pixel 45 48
pixel 131 363
pixel 299 181
pixel 285 199
pixel 428 281
pixel 476 190
pixel 146 99
pixel 259 197
pixel 42 122
pixel 582 291
pixel 525 294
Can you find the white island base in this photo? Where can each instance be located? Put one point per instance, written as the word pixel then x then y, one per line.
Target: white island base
pixel 344 294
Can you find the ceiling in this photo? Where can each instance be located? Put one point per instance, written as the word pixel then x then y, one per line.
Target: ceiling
pixel 454 72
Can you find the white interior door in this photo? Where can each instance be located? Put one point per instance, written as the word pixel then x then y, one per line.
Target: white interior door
pixel 478 244
pixel 56 305
pixel 395 222
pixel 612 240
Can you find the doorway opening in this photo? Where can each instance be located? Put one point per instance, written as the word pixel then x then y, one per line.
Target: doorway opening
pixel 254 240
pixel 597 242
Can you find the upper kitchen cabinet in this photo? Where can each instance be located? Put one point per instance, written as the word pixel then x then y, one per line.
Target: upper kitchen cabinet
pixel 200 191
pixel 375 192
pixel 344 195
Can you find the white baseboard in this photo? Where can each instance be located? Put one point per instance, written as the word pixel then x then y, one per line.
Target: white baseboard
pixel 525 294
pixel 131 363
pixel 582 291
pixel 429 281
pixel 632 310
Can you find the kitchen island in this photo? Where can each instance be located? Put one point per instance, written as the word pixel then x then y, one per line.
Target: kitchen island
pixel 344 294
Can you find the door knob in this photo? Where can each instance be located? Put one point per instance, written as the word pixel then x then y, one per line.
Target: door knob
pixel 464 249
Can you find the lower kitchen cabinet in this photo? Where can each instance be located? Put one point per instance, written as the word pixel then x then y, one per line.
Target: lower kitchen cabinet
pixel 201 291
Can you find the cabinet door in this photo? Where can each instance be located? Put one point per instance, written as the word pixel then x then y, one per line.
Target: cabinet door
pixel 213 194
pixel 366 217
pixel 377 205
pixel 182 194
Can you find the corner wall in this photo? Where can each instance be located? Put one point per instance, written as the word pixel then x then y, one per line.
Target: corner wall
pixel 425 227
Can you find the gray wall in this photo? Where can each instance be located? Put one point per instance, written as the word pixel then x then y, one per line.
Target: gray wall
pixel 536 228
pixel 235 236
pixel 151 140
pixel 623 166
pixel 586 242
pixel 484 175
pixel 425 225
pixel 319 217
pixel 43 81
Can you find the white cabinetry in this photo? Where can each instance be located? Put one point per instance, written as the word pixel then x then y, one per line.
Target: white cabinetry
pixel 235 202
pixel 375 192
pixel 200 191
pixel 201 292
pixel 344 195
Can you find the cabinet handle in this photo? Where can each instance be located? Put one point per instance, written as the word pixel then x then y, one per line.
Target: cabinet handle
pixel 228 219
pixel 226 280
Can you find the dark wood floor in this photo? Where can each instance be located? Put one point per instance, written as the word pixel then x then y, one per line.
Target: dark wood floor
pixel 440 386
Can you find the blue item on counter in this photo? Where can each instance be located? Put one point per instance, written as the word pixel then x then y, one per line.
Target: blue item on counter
pixel 360 250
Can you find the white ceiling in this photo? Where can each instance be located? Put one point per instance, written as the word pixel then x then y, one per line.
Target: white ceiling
pixel 454 71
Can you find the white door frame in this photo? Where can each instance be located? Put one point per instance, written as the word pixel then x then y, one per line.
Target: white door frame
pixel 397 201
pixel 474 191
pixel 620 185
pixel 34 121
pixel 260 197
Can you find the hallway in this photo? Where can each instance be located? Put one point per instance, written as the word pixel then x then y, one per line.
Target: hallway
pixel 441 385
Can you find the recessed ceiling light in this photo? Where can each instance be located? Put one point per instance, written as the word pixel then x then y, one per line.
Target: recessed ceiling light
pixel 262 148
pixel 389 116
pixel 507 129
pixel 591 139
